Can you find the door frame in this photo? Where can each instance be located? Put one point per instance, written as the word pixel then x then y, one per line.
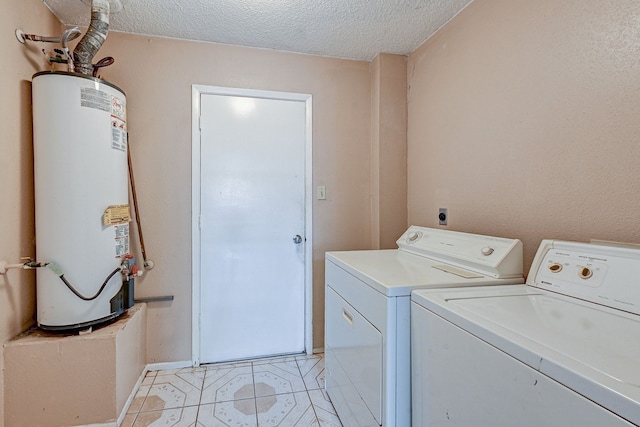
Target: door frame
pixel 196 92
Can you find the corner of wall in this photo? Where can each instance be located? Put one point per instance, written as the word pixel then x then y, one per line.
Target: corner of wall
pixel 2 387
pixel 375 152
pixel 389 149
pixel 17 228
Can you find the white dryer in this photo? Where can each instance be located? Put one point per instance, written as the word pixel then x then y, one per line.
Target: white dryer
pixel 367 313
pixel 564 350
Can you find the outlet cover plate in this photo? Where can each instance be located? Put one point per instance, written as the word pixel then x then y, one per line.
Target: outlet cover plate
pixel 443 216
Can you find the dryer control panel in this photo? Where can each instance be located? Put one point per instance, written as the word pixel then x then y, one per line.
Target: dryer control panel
pixel 492 256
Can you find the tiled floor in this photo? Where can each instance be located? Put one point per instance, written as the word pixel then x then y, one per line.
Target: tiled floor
pixel 285 391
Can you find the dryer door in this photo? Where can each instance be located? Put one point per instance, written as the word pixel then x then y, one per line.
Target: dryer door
pixel 353 363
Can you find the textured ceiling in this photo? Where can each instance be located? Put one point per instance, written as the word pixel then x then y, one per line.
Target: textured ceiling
pixel 355 29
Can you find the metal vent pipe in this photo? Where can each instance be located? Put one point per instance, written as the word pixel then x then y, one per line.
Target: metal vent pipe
pixel 89 45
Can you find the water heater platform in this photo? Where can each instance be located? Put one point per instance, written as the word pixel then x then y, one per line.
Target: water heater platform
pixel 53 379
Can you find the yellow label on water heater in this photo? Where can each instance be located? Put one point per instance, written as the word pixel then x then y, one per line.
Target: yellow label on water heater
pixel 116 214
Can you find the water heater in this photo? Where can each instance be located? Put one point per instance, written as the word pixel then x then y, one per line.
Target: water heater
pixel 81 200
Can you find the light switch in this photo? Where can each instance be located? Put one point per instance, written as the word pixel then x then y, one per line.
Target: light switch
pixel 322 192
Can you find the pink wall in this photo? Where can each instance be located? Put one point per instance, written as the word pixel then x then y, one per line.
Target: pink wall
pixel 157 75
pixel 389 150
pixel 19 63
pixel 524 121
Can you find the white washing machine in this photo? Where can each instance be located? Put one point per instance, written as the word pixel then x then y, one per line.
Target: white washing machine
pixel 564 350
pixel 367 313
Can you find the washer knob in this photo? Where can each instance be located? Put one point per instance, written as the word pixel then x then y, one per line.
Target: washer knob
pixel 555 267
pixel 487 250
pixel 413 236
pixel 585 272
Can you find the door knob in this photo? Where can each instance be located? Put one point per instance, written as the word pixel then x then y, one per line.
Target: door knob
pixel 297 239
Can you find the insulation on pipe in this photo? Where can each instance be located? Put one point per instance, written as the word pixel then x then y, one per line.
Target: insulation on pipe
pixel 95 36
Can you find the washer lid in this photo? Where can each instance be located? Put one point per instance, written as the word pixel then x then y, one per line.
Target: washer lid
pixel 593 350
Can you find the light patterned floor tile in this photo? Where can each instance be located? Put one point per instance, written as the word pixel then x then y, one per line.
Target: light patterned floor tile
pixel 277 378
pixel 324 409
pixel 181 371
pixel 236 364
pixel 168 371
pixel 238 413
pixel 138 399
pixel 175 417
pixel 174 391
pixel 286 410
pixel 310 356
pixel 128 420
pixel 290 366
pixel 274 359
pixel 312 370
pixel 227 383
pixel 149 377
pixel 225 395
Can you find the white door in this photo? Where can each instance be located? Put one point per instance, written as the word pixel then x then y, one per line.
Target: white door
pixel 252 227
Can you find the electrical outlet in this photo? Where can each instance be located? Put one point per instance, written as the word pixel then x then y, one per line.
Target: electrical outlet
pixel 443 216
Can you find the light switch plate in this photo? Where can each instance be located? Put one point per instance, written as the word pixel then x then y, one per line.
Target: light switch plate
pixel 322 192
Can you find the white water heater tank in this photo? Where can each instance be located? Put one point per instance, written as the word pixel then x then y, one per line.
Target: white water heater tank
pixel 81 199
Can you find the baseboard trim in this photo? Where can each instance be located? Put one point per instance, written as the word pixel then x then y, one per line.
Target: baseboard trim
pixel 132 395
pixel 110 424
pixel 169 365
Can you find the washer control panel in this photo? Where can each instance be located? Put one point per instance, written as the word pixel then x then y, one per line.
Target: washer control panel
pixel 562 268
pixel 607 275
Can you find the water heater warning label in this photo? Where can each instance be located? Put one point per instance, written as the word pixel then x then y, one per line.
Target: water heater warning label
pixel 116 214
pixel 118 111
pixel 94 98
pixel 122 239
pixel 118 135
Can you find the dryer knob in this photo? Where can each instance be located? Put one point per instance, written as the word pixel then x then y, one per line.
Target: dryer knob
pixel 487 250
pixel 413 236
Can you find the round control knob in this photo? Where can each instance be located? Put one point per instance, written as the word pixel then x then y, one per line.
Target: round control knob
pixel 487 250
pixel 413 236
pixel 585 272
pixel 555 267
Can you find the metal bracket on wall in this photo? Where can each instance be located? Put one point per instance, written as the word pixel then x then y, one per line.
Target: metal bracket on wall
pixel 154 299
